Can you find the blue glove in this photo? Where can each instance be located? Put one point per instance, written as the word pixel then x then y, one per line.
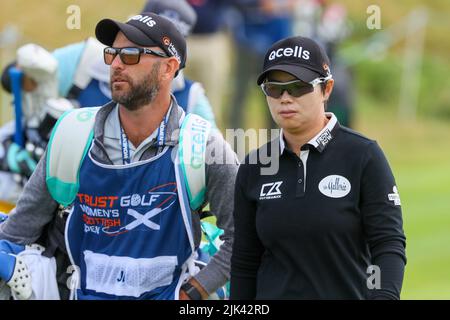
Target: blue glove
pixel 14 271
pixel 10 247
pixel 7 265
pixel 8 250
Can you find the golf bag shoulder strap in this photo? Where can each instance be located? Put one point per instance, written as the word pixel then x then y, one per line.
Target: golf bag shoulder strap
pixel 192 153
pixel 69 143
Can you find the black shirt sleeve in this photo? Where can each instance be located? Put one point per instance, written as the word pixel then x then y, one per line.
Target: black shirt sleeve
pixel 247 247
pixel 382 222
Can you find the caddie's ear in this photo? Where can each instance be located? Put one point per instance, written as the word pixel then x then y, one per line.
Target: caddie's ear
pixel 169 67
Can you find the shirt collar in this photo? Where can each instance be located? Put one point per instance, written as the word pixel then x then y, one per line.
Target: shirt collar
pixel 321 140
pixel 112 123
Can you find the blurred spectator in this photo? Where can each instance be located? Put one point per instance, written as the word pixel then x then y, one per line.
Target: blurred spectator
pixel 80 76
pixel 52 83
pixel 260 23
pixel 81 73
pixel 209 51
pixel 327 24
pixel 190 94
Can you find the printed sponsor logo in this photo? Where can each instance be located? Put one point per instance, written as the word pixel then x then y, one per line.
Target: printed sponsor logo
pixel 84 116
pixel 147 20
pixel 324 138
pixel 296 52
pixel 111 214
pixel 270 191
pixel 198 142
pixel 173 51
pixel 125 148
pixel 335 186
pixel 166 40
pixel 395 197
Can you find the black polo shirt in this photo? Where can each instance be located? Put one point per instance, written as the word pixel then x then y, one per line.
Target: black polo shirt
pixel 311 230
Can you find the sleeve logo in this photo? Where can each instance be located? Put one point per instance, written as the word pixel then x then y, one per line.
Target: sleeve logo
pixel 395 197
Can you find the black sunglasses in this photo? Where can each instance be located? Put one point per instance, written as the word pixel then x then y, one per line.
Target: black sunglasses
pixel 295 88
pixel 131 55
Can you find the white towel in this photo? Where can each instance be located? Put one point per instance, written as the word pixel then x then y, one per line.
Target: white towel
pixel 43 273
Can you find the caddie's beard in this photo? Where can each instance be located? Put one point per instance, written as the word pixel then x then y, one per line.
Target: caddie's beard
pixel 138 94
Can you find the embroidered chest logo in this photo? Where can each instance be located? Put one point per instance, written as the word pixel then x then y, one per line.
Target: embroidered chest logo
pixel 395 197
pixel 335 186
pixel 270 191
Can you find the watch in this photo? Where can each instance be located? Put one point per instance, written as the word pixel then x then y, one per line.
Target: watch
pixel 191 291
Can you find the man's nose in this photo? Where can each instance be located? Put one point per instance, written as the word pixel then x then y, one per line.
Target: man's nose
pixel 117 63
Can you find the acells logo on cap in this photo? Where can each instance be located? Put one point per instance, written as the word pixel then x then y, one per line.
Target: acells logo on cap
pixel 297 52
pixel 144 19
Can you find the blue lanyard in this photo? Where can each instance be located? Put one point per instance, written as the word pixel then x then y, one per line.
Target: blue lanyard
pixel 161 138
pixel 125 147
pixel 160 141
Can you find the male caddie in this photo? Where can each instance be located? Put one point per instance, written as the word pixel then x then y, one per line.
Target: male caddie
pixel 127 176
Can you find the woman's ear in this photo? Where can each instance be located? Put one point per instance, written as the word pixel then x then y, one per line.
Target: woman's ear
pixel 328 89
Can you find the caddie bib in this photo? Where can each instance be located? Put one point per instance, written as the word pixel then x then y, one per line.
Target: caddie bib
pixel 129 230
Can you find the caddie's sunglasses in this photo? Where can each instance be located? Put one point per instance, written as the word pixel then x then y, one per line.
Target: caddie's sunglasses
pixel 131 55
pixel 295 88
